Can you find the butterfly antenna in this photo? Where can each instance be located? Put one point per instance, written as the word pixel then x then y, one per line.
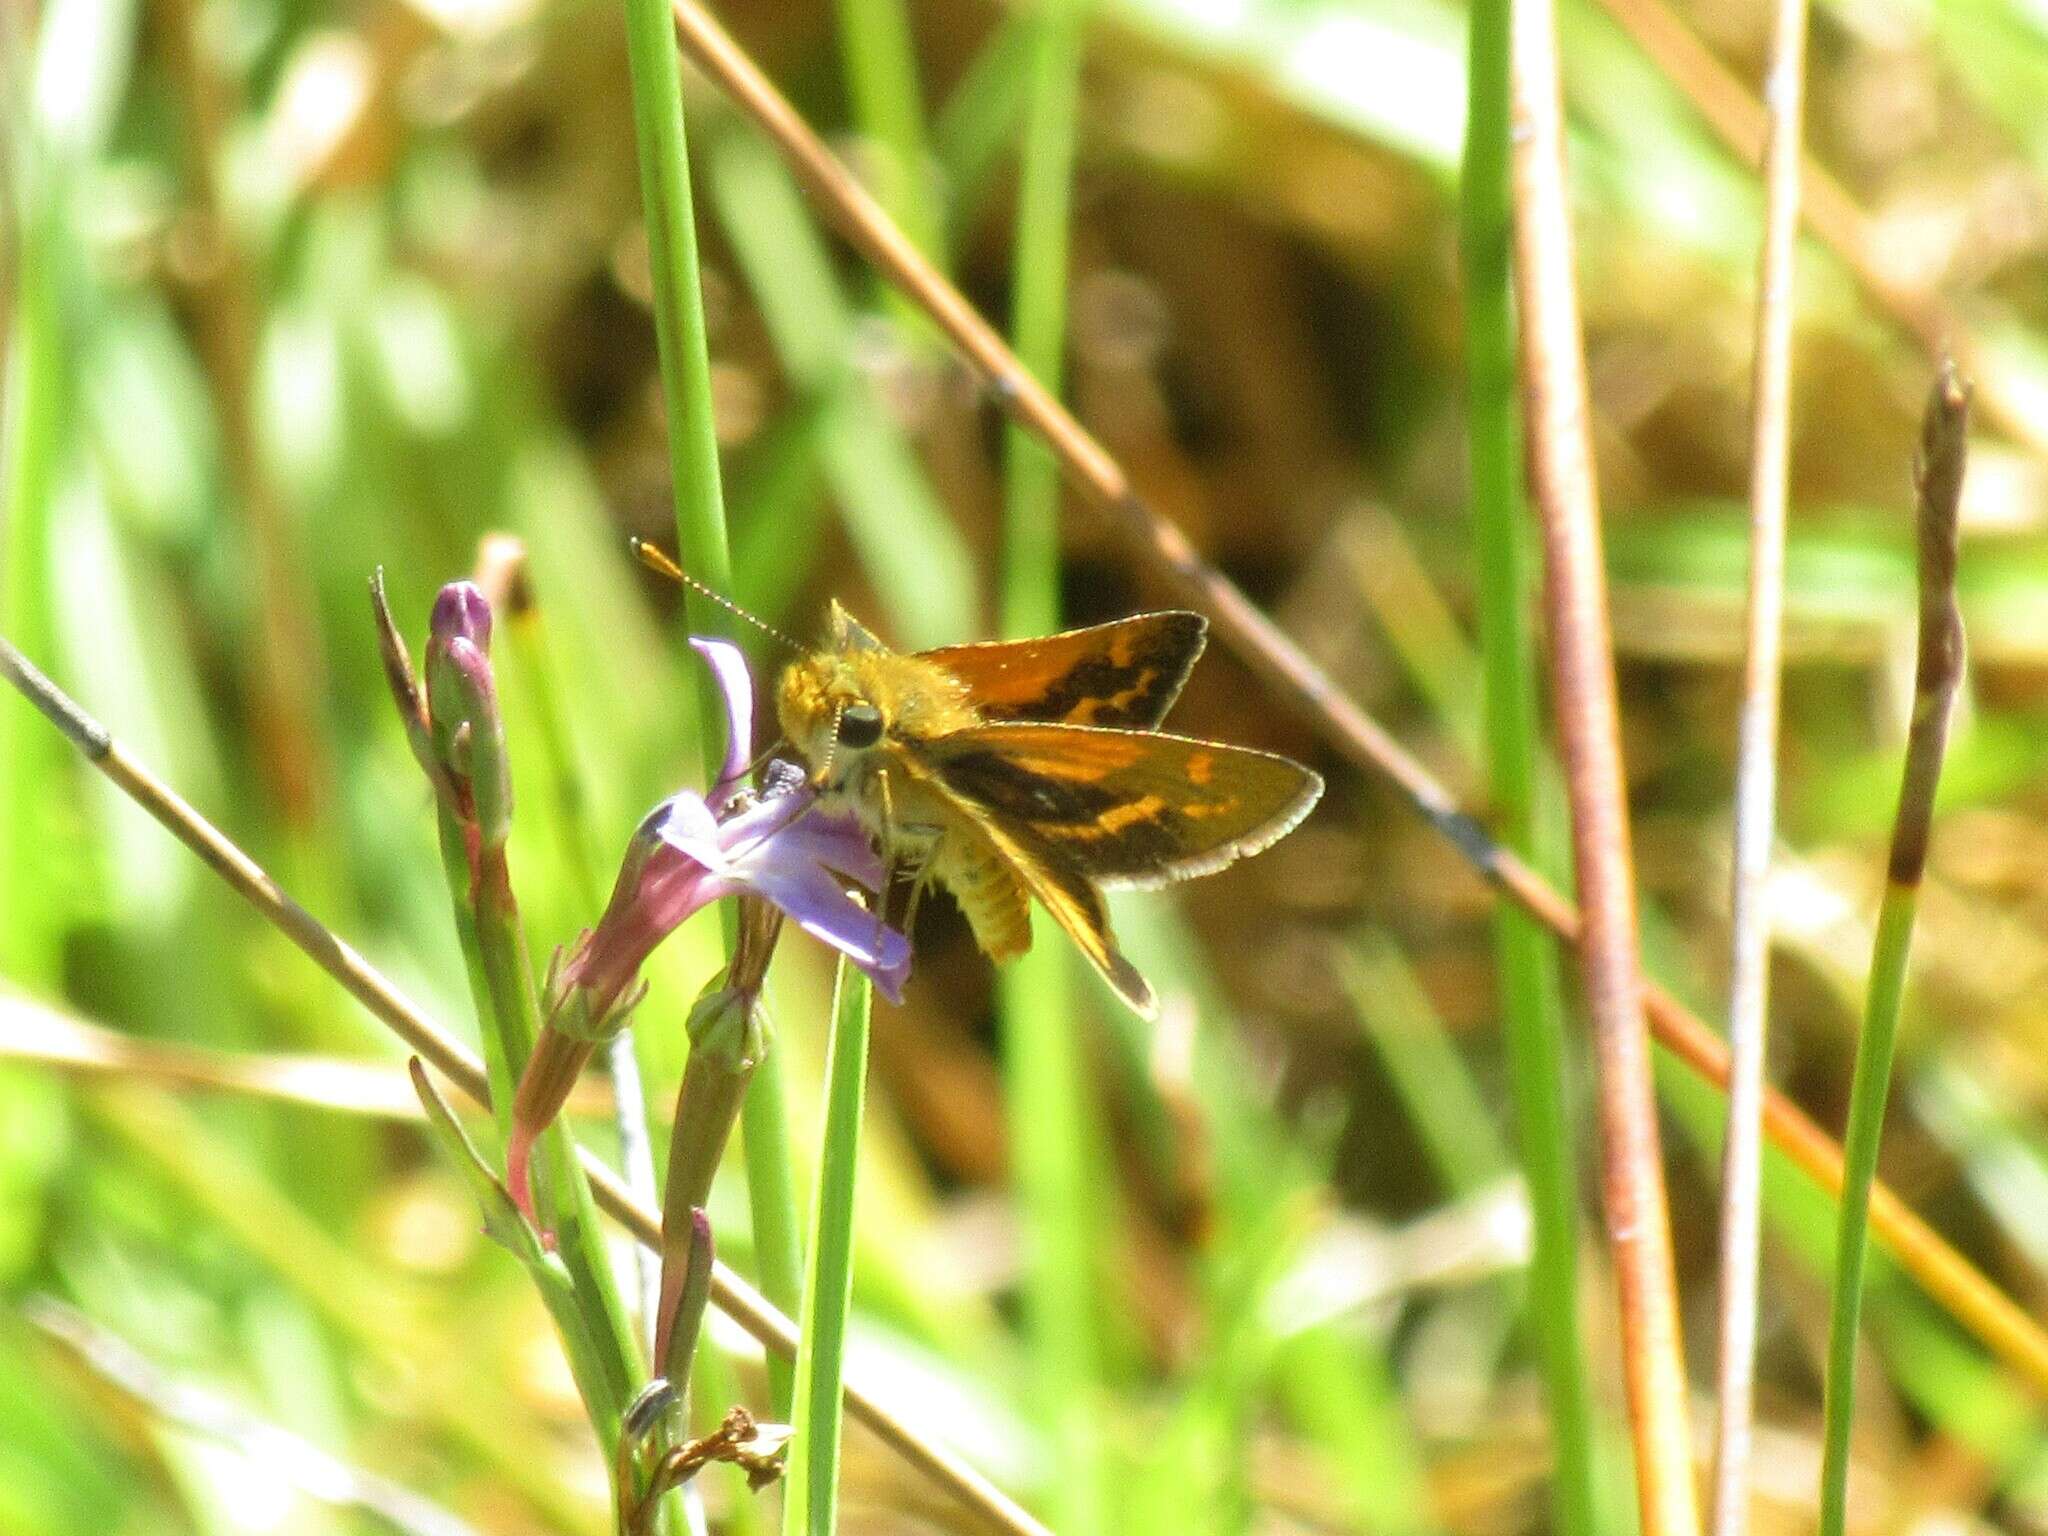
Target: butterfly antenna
pixel 662 565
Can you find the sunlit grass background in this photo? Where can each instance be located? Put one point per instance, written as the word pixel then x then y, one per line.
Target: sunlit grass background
pixel 292 292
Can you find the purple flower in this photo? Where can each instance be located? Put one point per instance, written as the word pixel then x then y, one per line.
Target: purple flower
pixel 776 846
pixel 692 850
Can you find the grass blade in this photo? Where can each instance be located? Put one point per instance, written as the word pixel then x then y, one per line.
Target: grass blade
pixel 1044 1089
pixel 811 1501
pixel 1532 1002
pixel 701 545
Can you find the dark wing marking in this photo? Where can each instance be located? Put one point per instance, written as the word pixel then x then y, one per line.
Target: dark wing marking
pixel 1123 674
pixel 1126 807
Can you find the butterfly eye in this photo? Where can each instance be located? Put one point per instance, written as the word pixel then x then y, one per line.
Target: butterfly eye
pixel 860 725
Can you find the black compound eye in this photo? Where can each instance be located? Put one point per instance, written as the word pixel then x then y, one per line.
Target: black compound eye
pixel 860 725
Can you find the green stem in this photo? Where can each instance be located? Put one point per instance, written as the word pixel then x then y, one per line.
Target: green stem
pixel 1531 999
pixel 1044 1086
pixel 701 540
pixel 881 77
pixel 772 1206
pixel 678 302
pixel 811 1503
pixel 604 1351
pixel 1868 1087
pixel 1938 674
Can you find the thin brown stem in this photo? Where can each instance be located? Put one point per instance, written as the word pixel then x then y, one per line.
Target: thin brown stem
pixel 368 986
pixel 1756 775
pixel 34 1031
pixel 1589 728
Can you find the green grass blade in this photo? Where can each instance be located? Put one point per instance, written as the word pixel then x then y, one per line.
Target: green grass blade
pixel 1531 999
pixel 881 76
pixel 1868 1087
pixel 1938 676
pixel 811 1499
pixel 701 538
pixel 678 305
pixel 1044 1086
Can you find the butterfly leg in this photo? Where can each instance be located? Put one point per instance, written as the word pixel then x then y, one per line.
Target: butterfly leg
pixel 920 882
pixel 886 837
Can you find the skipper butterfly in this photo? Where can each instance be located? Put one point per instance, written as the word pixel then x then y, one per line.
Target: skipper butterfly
pixel 1021 769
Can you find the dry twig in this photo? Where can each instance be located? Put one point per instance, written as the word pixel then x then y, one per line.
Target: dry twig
pixel 1756 777
pixel 1588 726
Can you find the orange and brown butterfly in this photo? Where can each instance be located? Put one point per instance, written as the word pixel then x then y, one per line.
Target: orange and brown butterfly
pixel 1016 769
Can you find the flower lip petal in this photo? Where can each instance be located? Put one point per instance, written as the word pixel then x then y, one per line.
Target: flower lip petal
pixel 723 843
pixel 836 840
pixel 686 823
pixel 821 907
pixel 736 687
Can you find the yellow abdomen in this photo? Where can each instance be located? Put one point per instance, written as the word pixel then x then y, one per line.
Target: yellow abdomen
pixel 990 896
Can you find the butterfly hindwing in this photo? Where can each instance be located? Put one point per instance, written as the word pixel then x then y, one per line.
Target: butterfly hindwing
pixel 1052 875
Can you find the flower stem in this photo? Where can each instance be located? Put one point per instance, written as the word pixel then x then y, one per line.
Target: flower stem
pixel 724 1048
pixel 1044 1085
pixel 1937 678
pixel 771 1204
pixel 508 1008
pixel 505 557
pixel 811 1503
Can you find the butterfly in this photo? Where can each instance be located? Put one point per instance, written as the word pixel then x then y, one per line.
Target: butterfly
pixel 1016 770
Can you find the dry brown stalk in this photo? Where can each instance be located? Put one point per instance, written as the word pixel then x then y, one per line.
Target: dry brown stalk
pixel 1589 738
pixel 1756 776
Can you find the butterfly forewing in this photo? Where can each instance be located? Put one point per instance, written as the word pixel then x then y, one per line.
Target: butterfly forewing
pixel 1123 674
pixel 1127 807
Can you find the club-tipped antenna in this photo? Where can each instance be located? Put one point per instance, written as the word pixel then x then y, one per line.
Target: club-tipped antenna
pixel 657 561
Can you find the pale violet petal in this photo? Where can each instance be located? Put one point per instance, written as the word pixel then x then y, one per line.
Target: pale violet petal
pixel 821 907
pixel 838 842
pixel 686 824
pixel 736 687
